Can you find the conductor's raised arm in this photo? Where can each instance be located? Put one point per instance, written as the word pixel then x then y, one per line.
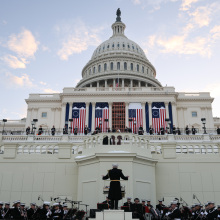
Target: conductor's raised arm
pixel 123 177
pixel 105 177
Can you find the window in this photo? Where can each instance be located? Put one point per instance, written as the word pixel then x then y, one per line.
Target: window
pixel 142 69
pixel 99 68
pixel 118 45
pixel 133 47
pixel 93 69
pixel 123 45
pixel 125 66
pixel 105 66
pixel 90 71
pixel 111 65
pixel 113 45
pixel 137 67
pixel 194 114
pixel 131 66
pixel 108 46
pixel 118 65
pixel 128 46
pixel 44 114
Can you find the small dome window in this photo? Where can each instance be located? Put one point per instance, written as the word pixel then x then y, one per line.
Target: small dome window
pixel 137 48
pixel 99 68
pixel 93 69
pixel 142 69
pixel 138 67
pixel 113 45
pixel 105 66
pixel 90 71
pixel 103 47
pixel 133 47
pixel 111 65
pixel 99 49
pixel 118 65
pixel 128 46
pixel 125 66
pixel 118 45
pixel 132 66
pixel 123 45
pixel 108 46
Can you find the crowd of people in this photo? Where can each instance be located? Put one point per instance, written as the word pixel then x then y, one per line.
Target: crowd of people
pixel 144 210
pixel 19 211
pixel 162 131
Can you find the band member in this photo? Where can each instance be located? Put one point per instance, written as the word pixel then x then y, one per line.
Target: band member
pixel 109 130
pixel 53 130
pixel 143 205
pixel 128 203
pixel 86 130
pixel 75 130
pixel 23 211
pixel 187 130
pixel 57 213
pixel 115 187
pixel 149 204
pixel 65 129
pixel 141 130
pixel 1 210
pixel 45 211
pixel 7 211
pixel 175 212
pixel 40 131
pixel 212 211
pixel 162 130
pixel 126 129
pixel 137 209
pixel 218 130
pixel 15 212
pixel 197 211
pixel 65 211
pixel 107 201
pixel 193 130
pixel 28 130
pixel 174 129
pixel 160 206
pixel 31 211
pixel 178 131
pixel 151 131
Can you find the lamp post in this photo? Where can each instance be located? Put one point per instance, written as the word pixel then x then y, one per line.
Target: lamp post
pixel 169 122
pixel 203 122
pixel 4 120
pixel 33 123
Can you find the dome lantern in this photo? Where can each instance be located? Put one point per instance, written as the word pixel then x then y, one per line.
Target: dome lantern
pixel 118 27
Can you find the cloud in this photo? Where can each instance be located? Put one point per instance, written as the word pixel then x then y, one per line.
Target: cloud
pixel 23 44
pixel 45 48
pixel 14 62
pixel 50 91
pixel 187 4
pixel 136 2
pixel 23 82
pixel 215 32
pixel 78 40
pixel 43 83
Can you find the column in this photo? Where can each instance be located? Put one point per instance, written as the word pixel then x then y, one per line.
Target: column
pixel 126 113
pixel 174 114
pixel 167 109
pixel 185 121
pixel 123 83
pixel 90 84
pixel 131 83
pixel 62 115
pixel 29 117
pixel 97 84
pixel 150 113
pixel 93 117
pixel 87 113
pixel 52 120
pixel 113 83
pixel 144 115
pixel 139 83
pixel 106 84
pixel 110 115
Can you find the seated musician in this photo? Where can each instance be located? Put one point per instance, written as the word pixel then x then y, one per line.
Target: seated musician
pixel 129 130
pixel 178 131
pixel 65 130
pixel 107 201
pixel 128 203
pixel 141 130
pixel 160 206
pixel 175 212
pixel 151 130
pixel 57 213
pixel 109 130
pixel 75 130
pixel 126 129
pixel 137 210
pixel 65 211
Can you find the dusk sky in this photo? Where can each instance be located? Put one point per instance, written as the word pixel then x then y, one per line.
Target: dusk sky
pixel 45 44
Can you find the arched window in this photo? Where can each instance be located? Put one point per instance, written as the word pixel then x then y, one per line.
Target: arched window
pixel 93 69
pixel 113 45
pixel 128 46
pixel 118 45
pixel 111 65
pixel 133 47
pixel 137 68
pixel 118 65
pixel 108 46
pixel 142 69
pixel 99 68
pixel 123 45
pixel 132 66
pixel 125 66
pixel 105 66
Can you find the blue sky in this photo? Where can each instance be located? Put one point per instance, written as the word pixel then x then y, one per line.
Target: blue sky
pixel 45 44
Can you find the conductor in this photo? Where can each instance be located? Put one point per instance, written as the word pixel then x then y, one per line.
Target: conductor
pixel 115 187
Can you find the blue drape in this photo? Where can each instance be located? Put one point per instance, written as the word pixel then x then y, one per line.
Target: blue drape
pixel 170 115
pixel 147 116
pixel 67 114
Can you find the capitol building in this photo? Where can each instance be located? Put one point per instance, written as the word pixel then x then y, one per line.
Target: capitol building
pixel 119 93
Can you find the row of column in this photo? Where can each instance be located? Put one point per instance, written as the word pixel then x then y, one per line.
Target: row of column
pixel 174 116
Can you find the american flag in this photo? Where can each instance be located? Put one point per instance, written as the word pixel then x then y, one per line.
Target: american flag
pixel 79 117
pixel 135 116
pixel 102 113
pixel 117 83
pixel 158 116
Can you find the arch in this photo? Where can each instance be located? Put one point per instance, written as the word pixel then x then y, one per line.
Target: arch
pixel 32 150
pixel 44 150
pixel 26 150
pixel 119 140
pixel 112 140
pixel 105 140
pixel 50 150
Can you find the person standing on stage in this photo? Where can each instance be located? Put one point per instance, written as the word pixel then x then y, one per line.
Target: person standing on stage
pixel 115 187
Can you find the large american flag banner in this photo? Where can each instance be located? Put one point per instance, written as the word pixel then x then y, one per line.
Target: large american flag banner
pixel 158 116
pixel 135 116
pixel 102 113
pixel 79 116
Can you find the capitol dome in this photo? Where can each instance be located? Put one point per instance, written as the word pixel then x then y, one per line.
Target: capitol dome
pixel 119 62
